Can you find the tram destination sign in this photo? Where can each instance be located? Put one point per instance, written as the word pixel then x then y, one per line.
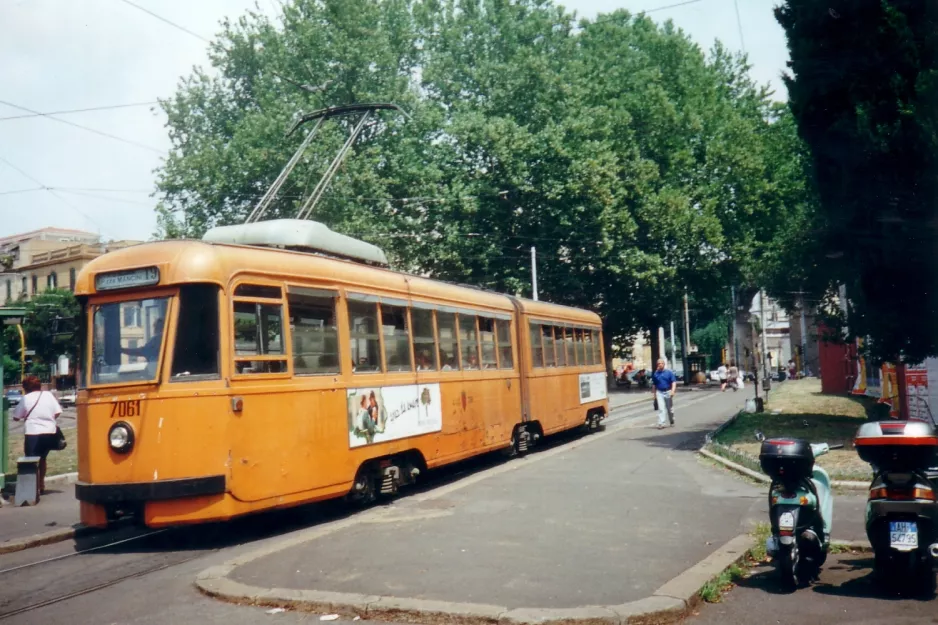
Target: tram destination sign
pixel 127 279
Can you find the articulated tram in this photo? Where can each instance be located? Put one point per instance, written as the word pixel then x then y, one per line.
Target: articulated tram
pixel 278 363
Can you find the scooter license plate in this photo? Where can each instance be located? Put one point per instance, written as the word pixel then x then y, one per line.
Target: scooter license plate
pixel 903 535
pixel 786 521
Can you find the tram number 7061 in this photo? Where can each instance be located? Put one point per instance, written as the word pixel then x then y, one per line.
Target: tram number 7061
pixel 125 408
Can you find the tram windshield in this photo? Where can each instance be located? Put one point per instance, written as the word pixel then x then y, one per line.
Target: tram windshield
pixel 127 340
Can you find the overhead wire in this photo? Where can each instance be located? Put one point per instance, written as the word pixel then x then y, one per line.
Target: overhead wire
pixel 52 192
pixel 86 128
pixel 166 21
pixel 108 107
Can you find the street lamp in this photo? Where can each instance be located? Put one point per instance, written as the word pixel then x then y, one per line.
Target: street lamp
pixel 10 317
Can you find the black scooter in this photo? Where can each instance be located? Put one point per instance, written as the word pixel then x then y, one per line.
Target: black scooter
pixel 902 510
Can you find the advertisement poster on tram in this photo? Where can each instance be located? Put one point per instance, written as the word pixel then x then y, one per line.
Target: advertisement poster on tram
pixel 592 387
pixel 387 413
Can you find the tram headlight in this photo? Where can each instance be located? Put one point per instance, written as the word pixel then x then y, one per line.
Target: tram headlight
pixel 121 437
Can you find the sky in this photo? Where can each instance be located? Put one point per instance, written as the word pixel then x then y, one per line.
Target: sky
pixel 62 55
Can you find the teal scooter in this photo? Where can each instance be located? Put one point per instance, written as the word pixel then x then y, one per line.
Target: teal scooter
pixel 801 507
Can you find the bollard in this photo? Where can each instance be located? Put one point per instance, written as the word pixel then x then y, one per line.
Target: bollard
pixel 27 481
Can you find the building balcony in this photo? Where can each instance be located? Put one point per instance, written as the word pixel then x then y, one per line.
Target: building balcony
pixel 65 254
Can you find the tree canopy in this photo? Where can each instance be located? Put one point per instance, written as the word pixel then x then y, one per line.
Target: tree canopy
pixel 638 165
pixel 863 89
pixel 49 331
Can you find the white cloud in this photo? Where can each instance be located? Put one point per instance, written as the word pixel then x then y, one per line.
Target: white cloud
pixel 69 54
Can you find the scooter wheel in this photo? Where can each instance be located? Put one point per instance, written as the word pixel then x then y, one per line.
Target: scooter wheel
pixel 787 562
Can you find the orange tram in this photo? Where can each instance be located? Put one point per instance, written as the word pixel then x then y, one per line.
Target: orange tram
pixel 279 363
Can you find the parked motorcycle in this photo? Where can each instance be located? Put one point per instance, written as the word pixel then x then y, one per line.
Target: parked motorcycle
pixel 801 507
pixel 901 511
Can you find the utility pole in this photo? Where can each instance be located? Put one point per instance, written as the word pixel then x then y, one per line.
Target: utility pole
pixel 534 272
pixel 686 340
pixel 733 326
pixel 673 350
pixel 804 335
pixel 765 351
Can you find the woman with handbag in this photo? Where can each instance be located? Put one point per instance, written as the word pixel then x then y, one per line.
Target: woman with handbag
pixel 39 409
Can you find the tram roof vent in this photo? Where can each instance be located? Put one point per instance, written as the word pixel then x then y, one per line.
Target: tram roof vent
pixel 300 235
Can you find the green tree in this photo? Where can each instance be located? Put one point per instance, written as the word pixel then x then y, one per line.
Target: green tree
pixel 637 165
pixel 49 330
pixel 863 89
pixel 711 340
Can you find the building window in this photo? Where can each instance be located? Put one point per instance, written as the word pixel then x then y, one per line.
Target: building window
pixel 71 279
pixel 35 284
pixel 51 281
pixel 9 290
pixel 131 317
pixel 24 288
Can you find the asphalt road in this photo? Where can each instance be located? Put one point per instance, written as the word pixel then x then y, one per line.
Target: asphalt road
pixel 149 578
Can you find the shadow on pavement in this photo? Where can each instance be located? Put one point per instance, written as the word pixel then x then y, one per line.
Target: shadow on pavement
pixel 676 438
pixel 847 578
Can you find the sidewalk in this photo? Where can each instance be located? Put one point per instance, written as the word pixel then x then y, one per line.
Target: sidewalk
pixel 54 519
pixel 614 518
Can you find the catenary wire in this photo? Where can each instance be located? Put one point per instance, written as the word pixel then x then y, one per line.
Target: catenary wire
pixel 86 128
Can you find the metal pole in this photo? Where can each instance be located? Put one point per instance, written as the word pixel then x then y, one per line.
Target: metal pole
pixel 534 272
pixel 4 429
pixel 686 340
pixel 22 352
pixel 765 353
pixel 804 335
pixel 735 333
pixel 673 350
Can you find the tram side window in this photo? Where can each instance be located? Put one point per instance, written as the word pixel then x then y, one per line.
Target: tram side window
pixel 588 346
pixel 258 331
pixel 396 338
pixel 503 333
pixel 195 355
pixel 537 347
pixel 549 358
pixel 570 347
pixel 425 349
pixel 469 341
pixel 363 327
pixel 449 349
pixel 580 351
pixel 314 331
pixel 561 346
pixel 597 348
pixel 487 339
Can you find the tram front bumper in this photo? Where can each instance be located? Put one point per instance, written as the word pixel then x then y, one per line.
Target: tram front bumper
pixel 150 491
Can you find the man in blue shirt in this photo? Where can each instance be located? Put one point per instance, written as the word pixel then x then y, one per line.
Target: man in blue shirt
pixel 664 385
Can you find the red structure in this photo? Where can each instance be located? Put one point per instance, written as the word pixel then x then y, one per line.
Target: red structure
pixel 838 364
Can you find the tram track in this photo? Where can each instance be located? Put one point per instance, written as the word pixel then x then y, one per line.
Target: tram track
pixel 37 584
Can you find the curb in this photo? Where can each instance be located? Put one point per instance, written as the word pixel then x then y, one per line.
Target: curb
pixel 46 538
pixel 669 603
pixel 63 479
pixel 845 484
